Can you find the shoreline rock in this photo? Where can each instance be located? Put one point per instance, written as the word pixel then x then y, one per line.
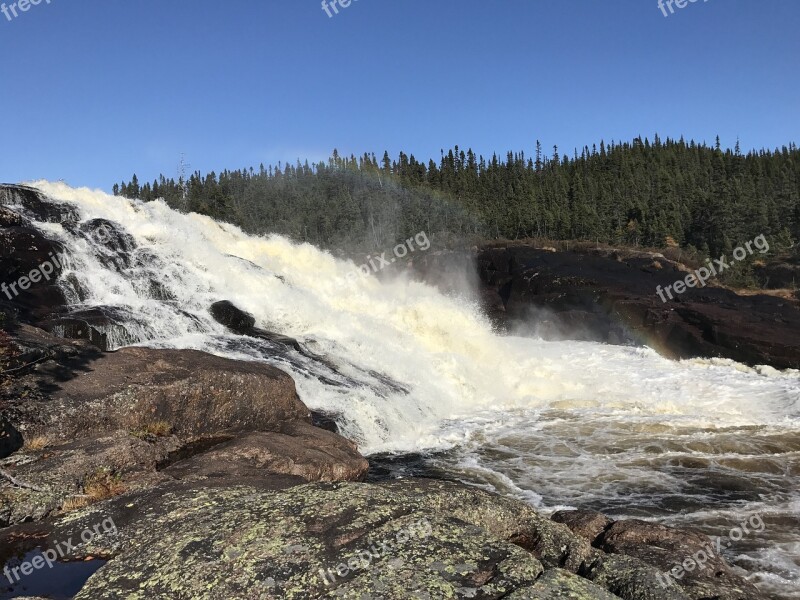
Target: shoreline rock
pixel 405 539
pixel 609 295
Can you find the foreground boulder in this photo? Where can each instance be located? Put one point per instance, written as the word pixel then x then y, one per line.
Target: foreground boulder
pixel 299 449
pixel 264 538
pixel 241 536
pixel 703 573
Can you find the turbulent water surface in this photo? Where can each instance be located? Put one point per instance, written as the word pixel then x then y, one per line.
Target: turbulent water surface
pixel 408 370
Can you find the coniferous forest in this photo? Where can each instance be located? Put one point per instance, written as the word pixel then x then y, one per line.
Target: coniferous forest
pixel 645 193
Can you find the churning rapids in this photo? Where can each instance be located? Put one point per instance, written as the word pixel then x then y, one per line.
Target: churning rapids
pixel 406 370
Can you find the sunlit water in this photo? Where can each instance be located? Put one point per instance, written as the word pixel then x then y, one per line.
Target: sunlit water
pixel 408 370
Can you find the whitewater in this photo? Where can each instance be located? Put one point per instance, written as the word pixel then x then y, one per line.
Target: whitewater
pixel 406 370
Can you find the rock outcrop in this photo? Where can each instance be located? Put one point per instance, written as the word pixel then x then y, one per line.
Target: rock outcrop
pixel 707 574
pixel 81 424
pixel 194 392
pixel 610 296
pixel 240 539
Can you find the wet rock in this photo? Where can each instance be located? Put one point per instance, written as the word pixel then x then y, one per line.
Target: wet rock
pixel 587 524
pixel 238 321
pixel 102 326
pixel 300 449
pixel 631 579
pixel 324 421
pixel 29 268
pixel 9 218
pixel 233 318
pixel 284 340
pixel 667 548
pixel 35 205
pixel 116 247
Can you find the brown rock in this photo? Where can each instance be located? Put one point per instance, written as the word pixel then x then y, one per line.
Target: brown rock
pixel 586 523
pixel 666 548
pixel 46 479
pixel 193 392
pixel 300 449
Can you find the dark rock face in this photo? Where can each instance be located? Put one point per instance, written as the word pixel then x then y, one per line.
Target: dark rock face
pixel 780 274
pixel 236 320
pixel 8 218
pixel 29 268
pixel 35 206
pixel 118 247
pixel 668 548
pixel 103 327
pixel 585 523
pixel 611 296
pixel 10 439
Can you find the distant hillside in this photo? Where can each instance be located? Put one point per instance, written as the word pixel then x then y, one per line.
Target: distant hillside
pixel 641 193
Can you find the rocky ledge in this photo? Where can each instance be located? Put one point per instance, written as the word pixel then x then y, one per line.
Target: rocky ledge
pixel 610 295
pixel 416 539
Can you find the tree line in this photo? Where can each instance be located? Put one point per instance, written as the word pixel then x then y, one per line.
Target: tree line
pixel 643 193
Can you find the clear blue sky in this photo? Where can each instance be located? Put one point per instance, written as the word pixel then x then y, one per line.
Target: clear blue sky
pixel 94 90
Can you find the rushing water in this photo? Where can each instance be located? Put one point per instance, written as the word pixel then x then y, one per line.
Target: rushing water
pixel 407 369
